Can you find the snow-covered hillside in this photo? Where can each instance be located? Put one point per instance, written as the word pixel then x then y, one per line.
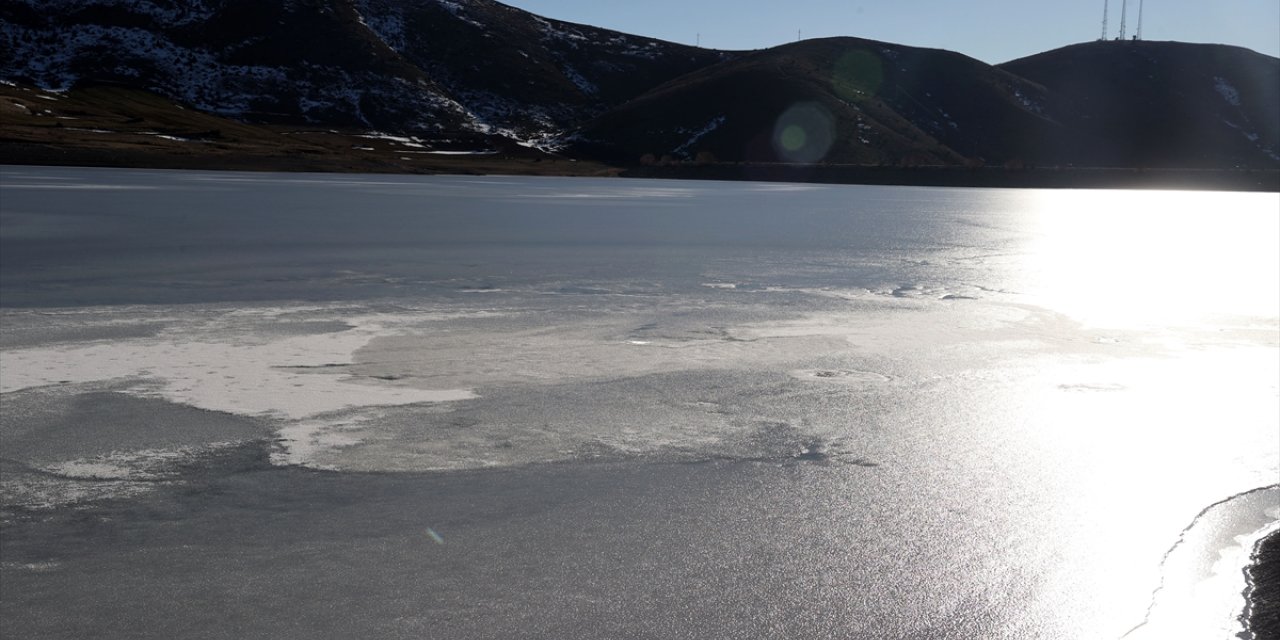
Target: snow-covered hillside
pixel 399 65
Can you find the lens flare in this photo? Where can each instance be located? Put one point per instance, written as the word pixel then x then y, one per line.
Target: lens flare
pixel 793 138
pixel 857 75
pixel 804 133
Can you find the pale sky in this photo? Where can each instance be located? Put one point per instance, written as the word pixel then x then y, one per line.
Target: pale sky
pixel 991 30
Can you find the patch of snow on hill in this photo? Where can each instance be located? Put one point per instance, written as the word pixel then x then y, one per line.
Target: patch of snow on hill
pixel 458 12
pixel 562 32
pixel 578 80
pixel 48 57
pixel 55 57
pixel 1254 138
pixel 1028 103
pixel 384 22
pixel 502 116
pixel 700 134
pixel 1227 91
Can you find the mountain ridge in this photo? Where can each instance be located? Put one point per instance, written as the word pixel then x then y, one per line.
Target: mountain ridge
pixel 481 73
pixel 1227 110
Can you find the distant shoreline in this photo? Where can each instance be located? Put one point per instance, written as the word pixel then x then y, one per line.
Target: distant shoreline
pixel 1030 178
pixel 35 154
pixel 292 161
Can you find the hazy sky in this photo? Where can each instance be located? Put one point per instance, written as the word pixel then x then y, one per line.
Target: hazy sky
pixel 990 30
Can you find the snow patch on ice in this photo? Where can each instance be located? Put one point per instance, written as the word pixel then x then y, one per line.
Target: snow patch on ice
pixel 146 464
pixel 292 378
pixel 301 443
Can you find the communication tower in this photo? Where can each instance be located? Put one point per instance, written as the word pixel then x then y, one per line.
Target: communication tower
pixel 1104 20
pixel 1124 10
pixel 1140 3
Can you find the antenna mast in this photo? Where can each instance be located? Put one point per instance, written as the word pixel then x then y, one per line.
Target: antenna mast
pixel 1104 20
pixel 1140 3
pixel 1124 10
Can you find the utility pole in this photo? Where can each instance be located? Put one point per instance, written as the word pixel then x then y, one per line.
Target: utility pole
pixel 1104 20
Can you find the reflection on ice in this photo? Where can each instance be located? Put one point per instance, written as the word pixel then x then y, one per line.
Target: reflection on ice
pixel 1153 258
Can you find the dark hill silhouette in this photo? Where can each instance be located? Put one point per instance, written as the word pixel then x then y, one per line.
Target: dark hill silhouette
pixel 1101 104
pixel 1160 104
pixel 851 100
pixel 478 74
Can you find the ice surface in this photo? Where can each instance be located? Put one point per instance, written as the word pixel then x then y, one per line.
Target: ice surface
pixel 231 365
pixel 763 398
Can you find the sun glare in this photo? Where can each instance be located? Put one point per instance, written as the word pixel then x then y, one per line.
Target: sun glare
pixel 1131 258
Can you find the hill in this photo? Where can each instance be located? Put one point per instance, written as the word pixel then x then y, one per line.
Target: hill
pixel 834 100
pixel 444 77
pixel 1160 104
pixel 403 66
pixel 852 101
pixel 119 126
pixel 522 74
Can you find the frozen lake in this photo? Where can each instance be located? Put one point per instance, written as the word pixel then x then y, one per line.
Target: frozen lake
pixel 267 405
